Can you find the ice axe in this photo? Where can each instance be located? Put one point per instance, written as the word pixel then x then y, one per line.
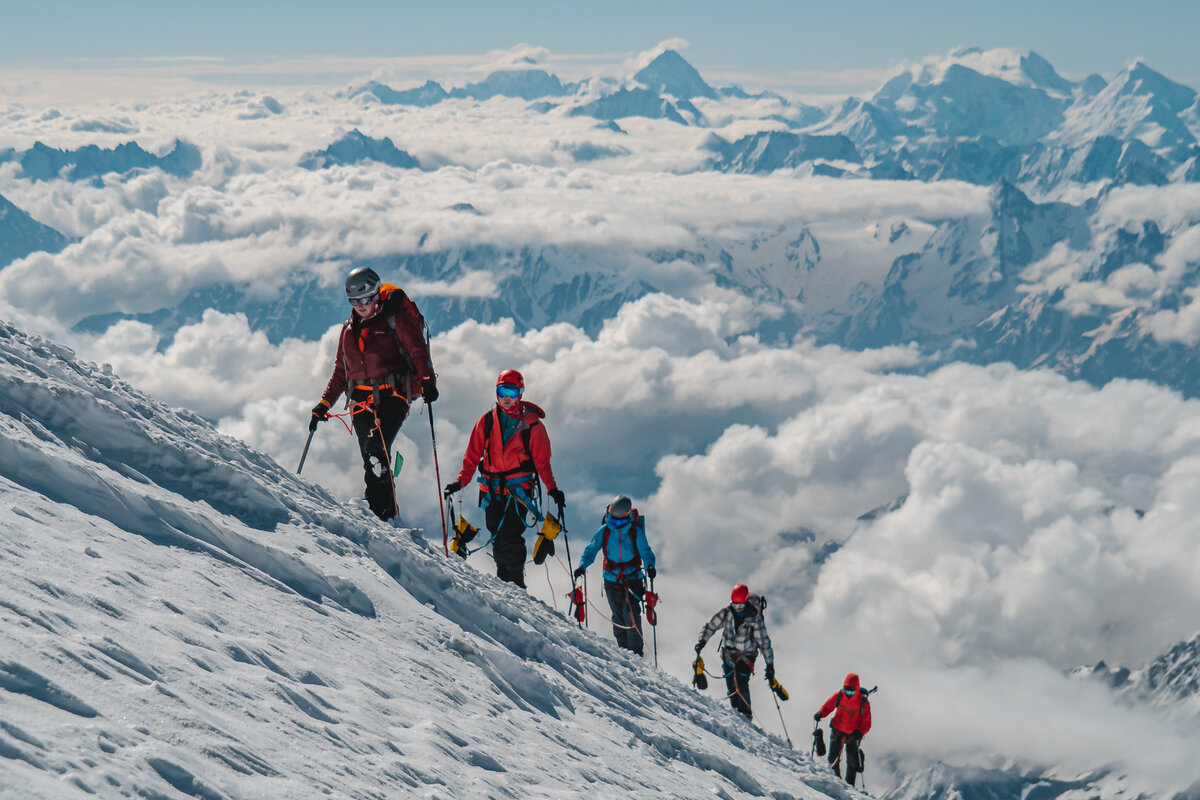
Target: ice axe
pixel 304 455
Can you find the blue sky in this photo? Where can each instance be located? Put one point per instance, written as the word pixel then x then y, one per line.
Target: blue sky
pixel 766 38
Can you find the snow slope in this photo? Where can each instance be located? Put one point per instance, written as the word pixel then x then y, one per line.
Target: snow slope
pixel 181 616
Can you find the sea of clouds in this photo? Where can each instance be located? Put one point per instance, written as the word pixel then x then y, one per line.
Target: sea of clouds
pixel 959 537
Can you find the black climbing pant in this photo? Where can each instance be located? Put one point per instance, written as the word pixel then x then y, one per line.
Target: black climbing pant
pixel 506 522
pixel 836 740
pixel 737 680
pixel 625 602
pixel 376 428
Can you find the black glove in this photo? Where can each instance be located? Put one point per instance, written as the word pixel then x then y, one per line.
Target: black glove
pixel 579 571
pixel 451 488
pixel 770 673
pixel 817 717
pixel 651 572
pixel 699 647
pixel 429 390
pixel 320 413
pixel 558 497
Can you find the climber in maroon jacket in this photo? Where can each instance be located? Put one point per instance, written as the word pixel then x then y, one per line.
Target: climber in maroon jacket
pixel 382 365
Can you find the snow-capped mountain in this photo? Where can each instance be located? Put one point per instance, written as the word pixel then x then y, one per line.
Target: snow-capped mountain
pixel 428 94
pixel 670 73
pixel 527 84
pixel 967 268
pixel 1138 104
pixel 767 152
pixel 950 782
pixel 633 103
pixel 354 147
pixel 1170 682
pixel 43 163
pixel 959 101
pixel 182 616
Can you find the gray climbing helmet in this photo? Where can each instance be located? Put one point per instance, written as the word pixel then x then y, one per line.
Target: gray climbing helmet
pixel 362 282
pixel 620 507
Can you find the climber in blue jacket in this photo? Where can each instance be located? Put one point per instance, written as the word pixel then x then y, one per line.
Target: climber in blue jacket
pixel 622 538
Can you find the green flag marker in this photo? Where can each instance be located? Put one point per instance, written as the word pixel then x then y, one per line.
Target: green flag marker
pixel 399 462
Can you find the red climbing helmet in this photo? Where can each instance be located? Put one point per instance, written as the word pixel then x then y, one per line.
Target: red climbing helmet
pixel 511 377
pixel 740 594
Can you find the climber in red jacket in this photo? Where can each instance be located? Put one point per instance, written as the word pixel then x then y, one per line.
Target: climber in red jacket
pixel 851 720
pixel 511 449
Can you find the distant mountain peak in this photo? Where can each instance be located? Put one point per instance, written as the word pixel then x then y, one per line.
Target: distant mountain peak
pixel 670 73
pixel 354 147
pixel 21 234
pixel 1138 78
pixel 1023 68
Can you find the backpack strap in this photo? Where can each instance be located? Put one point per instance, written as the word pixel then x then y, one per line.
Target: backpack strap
pixel 636 561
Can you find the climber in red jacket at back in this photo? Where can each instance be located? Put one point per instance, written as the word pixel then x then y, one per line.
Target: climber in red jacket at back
pixel 511 449
pixel 851 720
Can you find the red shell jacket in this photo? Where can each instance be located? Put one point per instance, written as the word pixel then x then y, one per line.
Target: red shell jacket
pixel 390 344
pixel 853 714
pixel 495 456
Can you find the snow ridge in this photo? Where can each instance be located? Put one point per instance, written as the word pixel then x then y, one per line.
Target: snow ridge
pixel 183 615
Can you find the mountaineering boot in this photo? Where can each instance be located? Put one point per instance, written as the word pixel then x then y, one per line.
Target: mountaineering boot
pixel 381 500
pixel 511 574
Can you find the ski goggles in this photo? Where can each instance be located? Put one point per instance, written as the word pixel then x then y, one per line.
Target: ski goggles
pixel 849 692
pixel 363 301
pixel 508 390
pixel 738 606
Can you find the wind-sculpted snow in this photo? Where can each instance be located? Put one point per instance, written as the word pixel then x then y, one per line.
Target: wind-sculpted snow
pixel 226 630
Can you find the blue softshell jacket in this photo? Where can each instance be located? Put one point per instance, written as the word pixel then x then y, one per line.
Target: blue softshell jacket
pixel 620 550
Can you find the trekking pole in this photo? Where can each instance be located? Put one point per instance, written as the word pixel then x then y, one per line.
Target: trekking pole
pixel 304 455
pixel 781 722
pixel 562 520
pixel 437 473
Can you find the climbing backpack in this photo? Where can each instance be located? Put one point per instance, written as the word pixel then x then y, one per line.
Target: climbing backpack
pixel 407 381
pixel 634 563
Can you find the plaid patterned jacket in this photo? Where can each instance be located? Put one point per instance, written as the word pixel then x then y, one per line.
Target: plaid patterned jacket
pixel 745 640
